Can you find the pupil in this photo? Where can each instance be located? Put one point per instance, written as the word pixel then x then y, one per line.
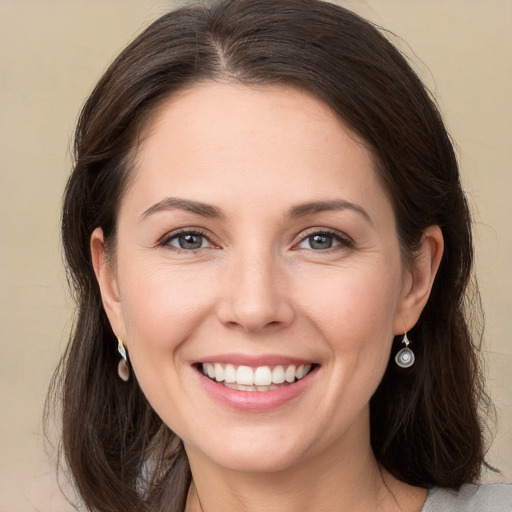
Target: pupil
pixel 190 241
pixel 320 242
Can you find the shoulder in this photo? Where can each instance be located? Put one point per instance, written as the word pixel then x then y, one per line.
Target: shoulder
pixel 470 498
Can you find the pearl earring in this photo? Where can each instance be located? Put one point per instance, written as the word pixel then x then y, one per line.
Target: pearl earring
pixel 123 369
pixel 405 357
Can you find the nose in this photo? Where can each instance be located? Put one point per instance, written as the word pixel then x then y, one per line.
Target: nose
pixel 256 295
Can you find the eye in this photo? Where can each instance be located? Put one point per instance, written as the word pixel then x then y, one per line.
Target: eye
pixel 322 241
pixel 188 241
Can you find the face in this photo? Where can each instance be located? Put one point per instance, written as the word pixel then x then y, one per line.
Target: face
pixel 257 246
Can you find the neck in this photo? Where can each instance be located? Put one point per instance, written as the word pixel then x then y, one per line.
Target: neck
pixel 342 477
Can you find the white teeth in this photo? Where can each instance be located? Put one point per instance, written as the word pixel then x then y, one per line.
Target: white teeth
pixel 278 375
pixel 289 374
pixel 240 387
pixel 229 373
pixel 262 378
pixel 219 372
pixel 245 375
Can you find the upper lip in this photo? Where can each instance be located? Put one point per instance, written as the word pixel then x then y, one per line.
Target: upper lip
pixel 254 360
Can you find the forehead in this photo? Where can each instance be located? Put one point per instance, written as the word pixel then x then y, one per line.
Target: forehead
pixel 216 138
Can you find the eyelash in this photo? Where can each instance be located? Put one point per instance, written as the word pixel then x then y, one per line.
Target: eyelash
pixel 344 242
pixel 165 241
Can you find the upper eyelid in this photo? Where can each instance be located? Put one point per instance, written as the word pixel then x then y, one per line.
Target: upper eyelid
pixel 330 231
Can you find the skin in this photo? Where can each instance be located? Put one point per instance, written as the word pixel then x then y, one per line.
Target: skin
pixel 258 287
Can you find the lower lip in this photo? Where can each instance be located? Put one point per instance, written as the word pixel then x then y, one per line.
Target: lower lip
pixel 256 401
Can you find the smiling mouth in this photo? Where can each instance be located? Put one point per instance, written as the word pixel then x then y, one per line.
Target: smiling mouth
pixel 260 378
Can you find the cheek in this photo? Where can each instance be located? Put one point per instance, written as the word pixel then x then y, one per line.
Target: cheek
pixel 163 308
pixel 355 308
pixel 163 311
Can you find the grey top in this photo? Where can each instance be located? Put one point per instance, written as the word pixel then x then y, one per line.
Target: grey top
pixel 470 498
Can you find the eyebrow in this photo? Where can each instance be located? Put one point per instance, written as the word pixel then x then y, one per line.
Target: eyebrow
pixel 210 211
pixel 304 209
pixel 169 203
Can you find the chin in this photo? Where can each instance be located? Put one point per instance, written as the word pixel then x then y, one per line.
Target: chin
pixel 254 454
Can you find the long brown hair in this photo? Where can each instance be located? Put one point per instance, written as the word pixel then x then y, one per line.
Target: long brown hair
pixel 425 426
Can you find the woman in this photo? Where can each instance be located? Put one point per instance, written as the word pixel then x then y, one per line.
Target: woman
pixel 270 249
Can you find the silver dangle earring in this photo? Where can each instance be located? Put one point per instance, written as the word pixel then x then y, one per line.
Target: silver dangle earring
pixel 123 369
pixel 405 357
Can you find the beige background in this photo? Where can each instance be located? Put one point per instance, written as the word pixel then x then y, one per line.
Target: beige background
pixel 51 54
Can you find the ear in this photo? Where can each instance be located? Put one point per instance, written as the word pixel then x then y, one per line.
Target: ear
pixel 107 280
pixel 419 280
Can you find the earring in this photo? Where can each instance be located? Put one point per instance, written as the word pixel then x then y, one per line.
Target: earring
pixel 123 369
pixel 405 357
